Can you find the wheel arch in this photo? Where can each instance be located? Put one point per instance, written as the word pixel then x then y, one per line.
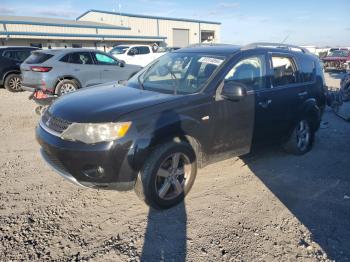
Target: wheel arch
pixel 169 132
pixel 9 73
pixel 312 112
pixel 66 77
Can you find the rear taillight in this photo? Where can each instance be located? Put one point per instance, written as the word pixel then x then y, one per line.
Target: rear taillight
pixel 42 69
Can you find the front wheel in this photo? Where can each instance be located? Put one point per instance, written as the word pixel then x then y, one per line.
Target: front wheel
pixel 167 176
pixel 13 83
pixel 301 138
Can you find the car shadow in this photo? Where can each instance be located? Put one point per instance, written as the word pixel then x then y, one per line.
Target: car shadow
pixel 313 191
pixel 165 236
pixel 166 231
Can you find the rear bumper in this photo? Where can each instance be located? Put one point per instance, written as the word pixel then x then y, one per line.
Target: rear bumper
pixel 102 166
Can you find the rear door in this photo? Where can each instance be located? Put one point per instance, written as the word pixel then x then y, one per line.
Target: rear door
pixel 81 66
pixel 277 105
pixel 109 68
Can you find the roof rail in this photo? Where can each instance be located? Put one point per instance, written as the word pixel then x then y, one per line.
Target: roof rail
pixel 275 45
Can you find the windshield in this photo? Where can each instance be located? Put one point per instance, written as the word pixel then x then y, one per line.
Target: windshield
pixel 179 73
pixel 119 50
pixel 339 53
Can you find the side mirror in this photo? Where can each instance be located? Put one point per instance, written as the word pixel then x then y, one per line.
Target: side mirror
pixel 233 91
pixel 121 63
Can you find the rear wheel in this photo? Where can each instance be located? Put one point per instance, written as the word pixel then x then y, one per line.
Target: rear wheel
pixel 301 138
pixel 13 83
pixel 346 92
pixel 66 86
pixel 167 176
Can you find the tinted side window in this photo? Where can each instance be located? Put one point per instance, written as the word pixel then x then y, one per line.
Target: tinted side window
pixel 308 70
pixel 142 50
pixel 65 59
pixel 104 59
pixel 83 58
pixel 17 55
pixel 38 58
pixel 284 71
pixel 250 72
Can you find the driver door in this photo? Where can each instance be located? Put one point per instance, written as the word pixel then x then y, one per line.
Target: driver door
pixel 233 121
pixel 110 70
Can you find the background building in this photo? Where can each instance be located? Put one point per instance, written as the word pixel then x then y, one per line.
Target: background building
pixel 103 30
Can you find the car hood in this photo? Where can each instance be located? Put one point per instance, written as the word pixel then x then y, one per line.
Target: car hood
pixel 105 103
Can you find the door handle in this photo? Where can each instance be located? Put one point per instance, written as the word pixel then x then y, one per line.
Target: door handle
pixel 302 94
pixel 265 103
pixel 76 70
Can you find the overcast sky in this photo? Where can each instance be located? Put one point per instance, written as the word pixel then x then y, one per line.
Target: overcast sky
pixel 302 22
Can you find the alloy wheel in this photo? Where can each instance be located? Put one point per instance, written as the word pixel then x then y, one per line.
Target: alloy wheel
pixel 15 83
pixel 303 135
pixel 172 176
pixel 67 88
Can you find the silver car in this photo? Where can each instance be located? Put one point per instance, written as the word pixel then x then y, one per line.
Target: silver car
pixel 60 71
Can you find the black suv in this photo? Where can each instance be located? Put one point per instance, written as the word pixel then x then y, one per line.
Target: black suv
pixel 189 108
pixel 11 58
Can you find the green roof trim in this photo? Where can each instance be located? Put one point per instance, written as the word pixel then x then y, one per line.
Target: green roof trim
pixel 150 17
pixel 9 33
pixel 21 22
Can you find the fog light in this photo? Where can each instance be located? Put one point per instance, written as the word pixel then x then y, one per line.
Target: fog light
pixel 95 172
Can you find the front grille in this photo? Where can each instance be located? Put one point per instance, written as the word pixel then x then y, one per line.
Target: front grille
pixel 54 123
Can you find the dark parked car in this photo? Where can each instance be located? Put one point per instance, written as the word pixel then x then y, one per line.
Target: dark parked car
pixel 11 58
pixel 189 108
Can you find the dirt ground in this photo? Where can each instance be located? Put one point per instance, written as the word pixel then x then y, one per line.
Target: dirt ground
pixel 267 206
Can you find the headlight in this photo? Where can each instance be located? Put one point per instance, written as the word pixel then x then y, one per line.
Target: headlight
pixel 95 133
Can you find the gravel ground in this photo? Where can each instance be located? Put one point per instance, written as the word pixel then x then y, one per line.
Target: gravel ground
pixel 267 206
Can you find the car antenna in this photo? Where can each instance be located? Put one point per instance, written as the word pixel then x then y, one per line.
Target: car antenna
pixel 285 39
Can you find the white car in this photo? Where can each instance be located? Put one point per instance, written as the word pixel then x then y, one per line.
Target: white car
pixel 140 55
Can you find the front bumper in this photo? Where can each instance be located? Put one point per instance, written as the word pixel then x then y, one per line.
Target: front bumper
pixel 102 166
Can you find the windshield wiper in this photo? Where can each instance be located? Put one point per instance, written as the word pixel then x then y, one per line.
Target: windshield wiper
pixel 141 83
pixel 175 78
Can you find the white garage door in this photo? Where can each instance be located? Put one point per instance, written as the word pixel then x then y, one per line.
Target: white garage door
pixel 180 37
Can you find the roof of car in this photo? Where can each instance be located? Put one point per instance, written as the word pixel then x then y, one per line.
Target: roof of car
pixel 67 50
pixel 18 47
pixel 210 49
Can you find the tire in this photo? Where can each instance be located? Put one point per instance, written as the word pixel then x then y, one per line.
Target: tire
pixel 13 83
pixel 301 139
pixel 346 93
pixel 66 86
pixel 158 183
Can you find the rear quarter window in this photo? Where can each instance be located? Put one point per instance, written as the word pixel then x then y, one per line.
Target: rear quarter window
pixel 38 58
pixel 16 55
pixel 307 70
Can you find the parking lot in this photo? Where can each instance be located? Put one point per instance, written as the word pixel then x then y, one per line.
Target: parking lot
pixel 266 206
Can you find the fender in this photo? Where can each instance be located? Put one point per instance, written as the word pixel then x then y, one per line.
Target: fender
pixel 311 109
pixel 170 126
pixel 12 71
